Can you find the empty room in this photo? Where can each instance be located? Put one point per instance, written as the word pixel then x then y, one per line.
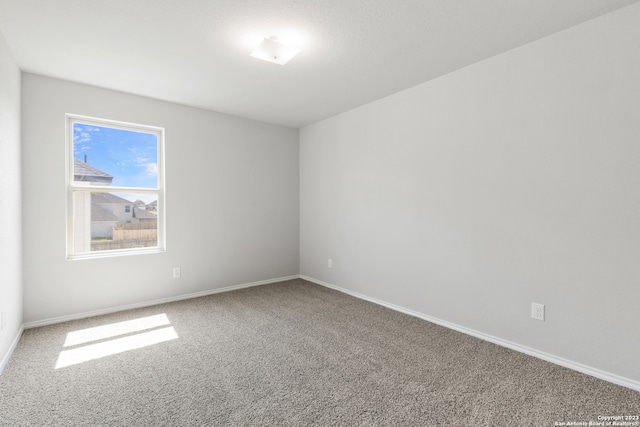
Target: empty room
pixel 413 213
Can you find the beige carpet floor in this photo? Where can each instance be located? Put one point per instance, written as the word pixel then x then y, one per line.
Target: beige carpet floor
pixel 290 354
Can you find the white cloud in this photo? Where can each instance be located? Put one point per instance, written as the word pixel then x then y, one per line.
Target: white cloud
pixel 151 169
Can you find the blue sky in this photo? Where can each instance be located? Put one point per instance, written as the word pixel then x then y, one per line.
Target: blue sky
pixel 130 157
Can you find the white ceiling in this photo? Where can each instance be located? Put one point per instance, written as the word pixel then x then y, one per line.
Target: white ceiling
pixel 196 52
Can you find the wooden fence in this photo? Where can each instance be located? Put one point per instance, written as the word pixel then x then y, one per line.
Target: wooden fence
pixel 107 245
pixel 127 236
pixel 144 234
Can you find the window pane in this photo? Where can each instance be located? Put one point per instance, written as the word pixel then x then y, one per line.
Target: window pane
pixel 110 221
pixel 110 156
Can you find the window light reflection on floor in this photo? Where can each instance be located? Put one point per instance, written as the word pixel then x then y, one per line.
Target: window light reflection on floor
pixel 98 350
pixel 114 329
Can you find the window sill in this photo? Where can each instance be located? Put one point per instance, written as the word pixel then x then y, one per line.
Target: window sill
pixel 115 253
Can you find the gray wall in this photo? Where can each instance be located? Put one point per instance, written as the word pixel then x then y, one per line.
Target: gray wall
pixel 10 200
pixel 232 203
pixel 510 181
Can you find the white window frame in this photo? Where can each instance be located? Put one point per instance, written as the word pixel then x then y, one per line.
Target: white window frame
pixel 74 186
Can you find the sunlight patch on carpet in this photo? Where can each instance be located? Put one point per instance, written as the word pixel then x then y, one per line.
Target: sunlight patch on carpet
pixel 84 353
pixel 97 333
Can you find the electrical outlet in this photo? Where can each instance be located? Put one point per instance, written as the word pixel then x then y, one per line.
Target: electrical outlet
pixel 537 311
pixel 330 263
pixel 176 272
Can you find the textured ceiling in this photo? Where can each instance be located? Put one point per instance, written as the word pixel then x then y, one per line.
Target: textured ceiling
pixel 196 52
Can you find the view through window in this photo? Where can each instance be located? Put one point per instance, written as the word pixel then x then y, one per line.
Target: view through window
pixel 115 187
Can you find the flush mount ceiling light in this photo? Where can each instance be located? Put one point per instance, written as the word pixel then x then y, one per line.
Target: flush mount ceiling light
pixel 273 51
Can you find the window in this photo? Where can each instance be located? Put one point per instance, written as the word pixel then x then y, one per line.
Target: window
pixel 115 188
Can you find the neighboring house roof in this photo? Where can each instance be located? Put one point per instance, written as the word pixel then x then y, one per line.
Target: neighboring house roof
pixel 85 172
pixel 107 198
pixel 143 213
pixel 100 214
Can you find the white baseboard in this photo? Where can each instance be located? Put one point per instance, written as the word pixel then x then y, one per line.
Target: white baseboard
pixel 12 347
pixel 606 376
pixel 84 315
pixel 597 373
